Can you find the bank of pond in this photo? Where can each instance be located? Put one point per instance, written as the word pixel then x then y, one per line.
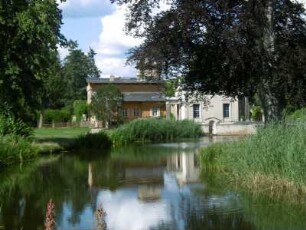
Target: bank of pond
pixel 15 149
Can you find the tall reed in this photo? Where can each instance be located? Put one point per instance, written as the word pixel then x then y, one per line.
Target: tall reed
pixel 95 141
pixel 154 130
pixel 273 159
pixel 16 149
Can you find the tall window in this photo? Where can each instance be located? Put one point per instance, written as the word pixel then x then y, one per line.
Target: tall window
pixel 226 110
pixel 196 111
pixel 137 112
pixel 124 113
pixel 155 111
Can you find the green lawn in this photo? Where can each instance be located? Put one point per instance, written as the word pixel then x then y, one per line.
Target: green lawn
pixel 54 139
pixel 49 133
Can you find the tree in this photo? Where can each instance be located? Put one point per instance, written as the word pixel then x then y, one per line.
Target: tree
pixel 76 68
pixel 53 95
pixel 29 34
pixel 233 47
pixel 106 104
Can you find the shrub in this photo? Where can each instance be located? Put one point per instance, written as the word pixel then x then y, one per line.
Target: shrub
pixel 298 115
pixel 11 126
pixel 80 107
pixel 57 115
pixel 256 113
pixel 155 130
pixel 96 141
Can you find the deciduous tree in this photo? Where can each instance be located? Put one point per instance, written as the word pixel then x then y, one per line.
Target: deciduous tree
pixel 77 67
pixel 233 47
pixel 106 104
pixel 29 35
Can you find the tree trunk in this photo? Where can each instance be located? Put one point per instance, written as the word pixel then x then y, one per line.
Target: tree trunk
pixel 41 119
pixel 271 103
pixel 269 92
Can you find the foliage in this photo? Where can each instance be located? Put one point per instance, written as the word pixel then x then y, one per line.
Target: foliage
pixel 15 149
pixel 154 130
pixel 77 67
pixel 53 95
pixel 274 158
pixel 80 107
pixel 9 125
pixel 57 115
pixel 106 104
pixel 12 126
pixel 96 141
pixel 256 113
pixel 237 48
pixel 298 115
pixel 29 35
pixel 170 87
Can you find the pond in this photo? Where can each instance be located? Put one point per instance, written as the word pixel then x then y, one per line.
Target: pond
pixel 157 186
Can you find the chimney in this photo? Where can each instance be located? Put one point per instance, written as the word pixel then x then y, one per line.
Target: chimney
pixel 111 78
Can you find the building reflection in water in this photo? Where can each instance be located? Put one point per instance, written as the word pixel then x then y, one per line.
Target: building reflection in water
pixel 185 166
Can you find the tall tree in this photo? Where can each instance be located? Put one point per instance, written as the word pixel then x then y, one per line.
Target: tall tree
pixel 53 95
pixel 234 47
pixel 29 35
pixel 77 67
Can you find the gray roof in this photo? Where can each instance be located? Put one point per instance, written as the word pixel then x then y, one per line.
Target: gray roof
pixel 120 81
pixel 143 96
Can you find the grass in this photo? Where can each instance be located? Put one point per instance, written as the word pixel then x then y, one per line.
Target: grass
pixel 16 149
pixel 66 133
pixel 56 139
pixel 154 130
pixel 273 160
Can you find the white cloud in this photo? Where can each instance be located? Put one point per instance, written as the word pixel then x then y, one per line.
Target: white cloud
pixel 113 44
pixel 113 36
pixel 118 207
pixel 86 8
pixel 63 52
pixel 114 66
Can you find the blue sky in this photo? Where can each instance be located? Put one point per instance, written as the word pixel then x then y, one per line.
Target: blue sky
pixel 99 24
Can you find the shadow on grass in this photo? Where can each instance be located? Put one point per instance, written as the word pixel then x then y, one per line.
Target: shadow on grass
pixel 54 144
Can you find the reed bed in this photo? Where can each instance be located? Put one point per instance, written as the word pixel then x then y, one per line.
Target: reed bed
pixel 15 149
pixel 272 160
pixel 154 130
pixel 96 141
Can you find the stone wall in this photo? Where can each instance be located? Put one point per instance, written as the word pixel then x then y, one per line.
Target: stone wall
pixel 231 128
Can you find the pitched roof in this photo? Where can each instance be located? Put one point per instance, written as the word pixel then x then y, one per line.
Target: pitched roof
pixel 143 96
pixel 120 81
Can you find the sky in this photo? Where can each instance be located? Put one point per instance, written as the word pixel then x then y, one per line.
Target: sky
pixel 99 25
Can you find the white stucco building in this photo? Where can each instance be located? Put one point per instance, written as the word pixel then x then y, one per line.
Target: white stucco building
pixel 217 114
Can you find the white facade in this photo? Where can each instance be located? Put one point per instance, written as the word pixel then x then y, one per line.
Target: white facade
pixel 217 114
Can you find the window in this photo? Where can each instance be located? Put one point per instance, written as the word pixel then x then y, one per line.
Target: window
pixel 196 111
pixel 155 111
pixel 226 110
pixel 124 112
pixel 137 113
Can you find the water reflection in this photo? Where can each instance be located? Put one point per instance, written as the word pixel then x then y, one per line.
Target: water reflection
pixel 144 187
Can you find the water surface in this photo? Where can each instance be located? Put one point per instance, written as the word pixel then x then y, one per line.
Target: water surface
pixel 158 186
